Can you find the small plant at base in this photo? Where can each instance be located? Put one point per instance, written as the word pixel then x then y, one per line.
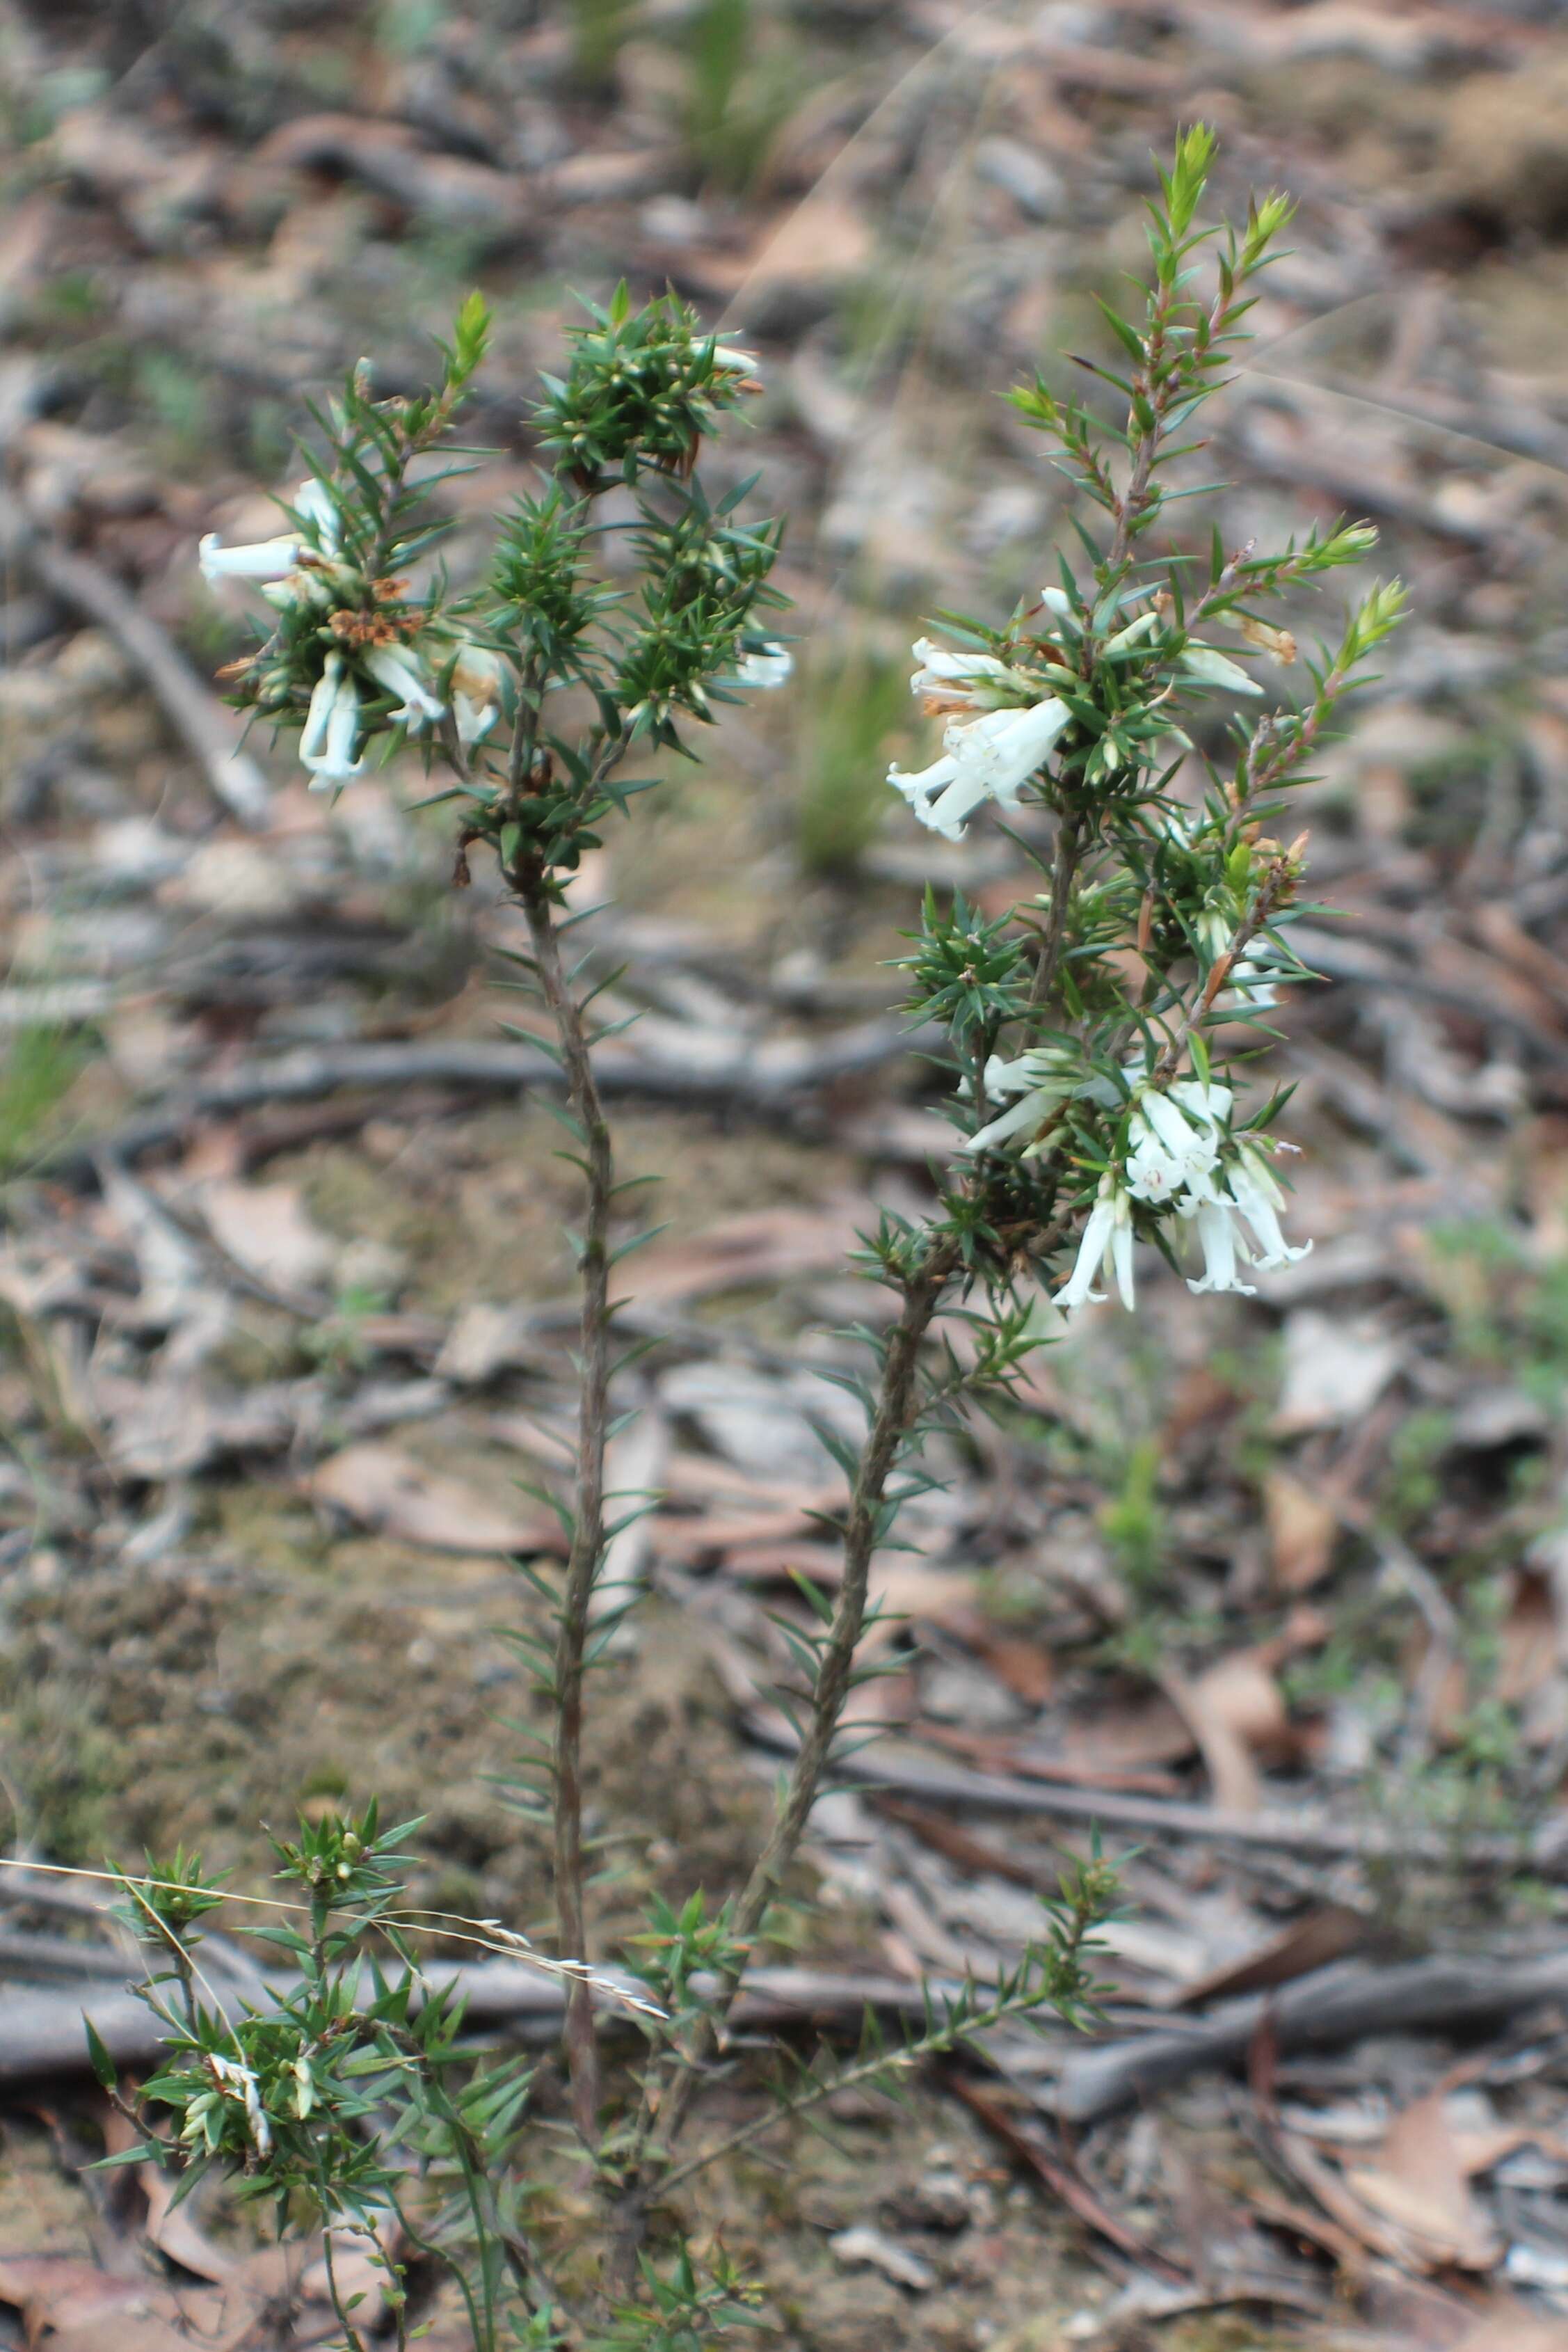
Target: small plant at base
pixel 1093 1102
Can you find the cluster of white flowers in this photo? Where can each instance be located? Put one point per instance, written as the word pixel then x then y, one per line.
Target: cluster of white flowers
pixel 1180 1155
pixel 1001 729
pixel 995 741
pixel 295 568
pixel 235 2082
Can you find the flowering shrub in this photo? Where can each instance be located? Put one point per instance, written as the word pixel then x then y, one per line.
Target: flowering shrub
pixel 1102 1036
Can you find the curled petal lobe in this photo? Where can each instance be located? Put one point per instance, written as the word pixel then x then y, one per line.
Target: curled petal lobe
pixel 1259 1200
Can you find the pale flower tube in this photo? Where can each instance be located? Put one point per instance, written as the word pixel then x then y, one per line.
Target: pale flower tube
pixel 1259 1198
pixel 1106 1246
pixel 397 674
pixel 331 733
pixel 262 558
pixel 1224 1250
pixel 988 758
pixel 955 678
pixel 477 677
pixel 1042 1087
pixel 275 559
pixel 770 665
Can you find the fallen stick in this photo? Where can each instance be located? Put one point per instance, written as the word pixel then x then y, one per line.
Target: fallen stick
pixel 760 1075
pixel 201 721
pixel 1025 2141
pixel 1311 1838
pixel 41 2031
pixel 1336 2006
pixel 1359 965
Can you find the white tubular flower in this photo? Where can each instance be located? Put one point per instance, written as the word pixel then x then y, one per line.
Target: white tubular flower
pixel 1202 1098
pixel 275 559
pixel 990 758
pixel 1160 1127
pixel 769 666
pixel 1212 668
pixel 331 733
pixel 238 2081
pixel 1134 633
pixel 312 502
pixel 1041 1085
pixel 264 558
pixel 398 673
pixel 954 678
pixel 1106 1246
pixel 1225 1250
pixel 1259 1198
pixel 1005 747
pixel 1057 601
pixel 477 677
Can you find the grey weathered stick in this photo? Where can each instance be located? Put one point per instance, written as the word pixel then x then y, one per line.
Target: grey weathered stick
pixel 202 723
pixel 41 2030
pixel 1321 2011
pixel 755 1075
pixel 1310 1836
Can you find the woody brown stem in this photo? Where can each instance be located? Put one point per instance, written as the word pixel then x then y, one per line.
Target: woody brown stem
pixel 588 1500
pixel 895 1413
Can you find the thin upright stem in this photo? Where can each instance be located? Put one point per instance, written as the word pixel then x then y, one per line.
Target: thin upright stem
pixel 895 1410
pixel 1145 447
pixel 588 1502
pixel 1065 868
pixel 351 2336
